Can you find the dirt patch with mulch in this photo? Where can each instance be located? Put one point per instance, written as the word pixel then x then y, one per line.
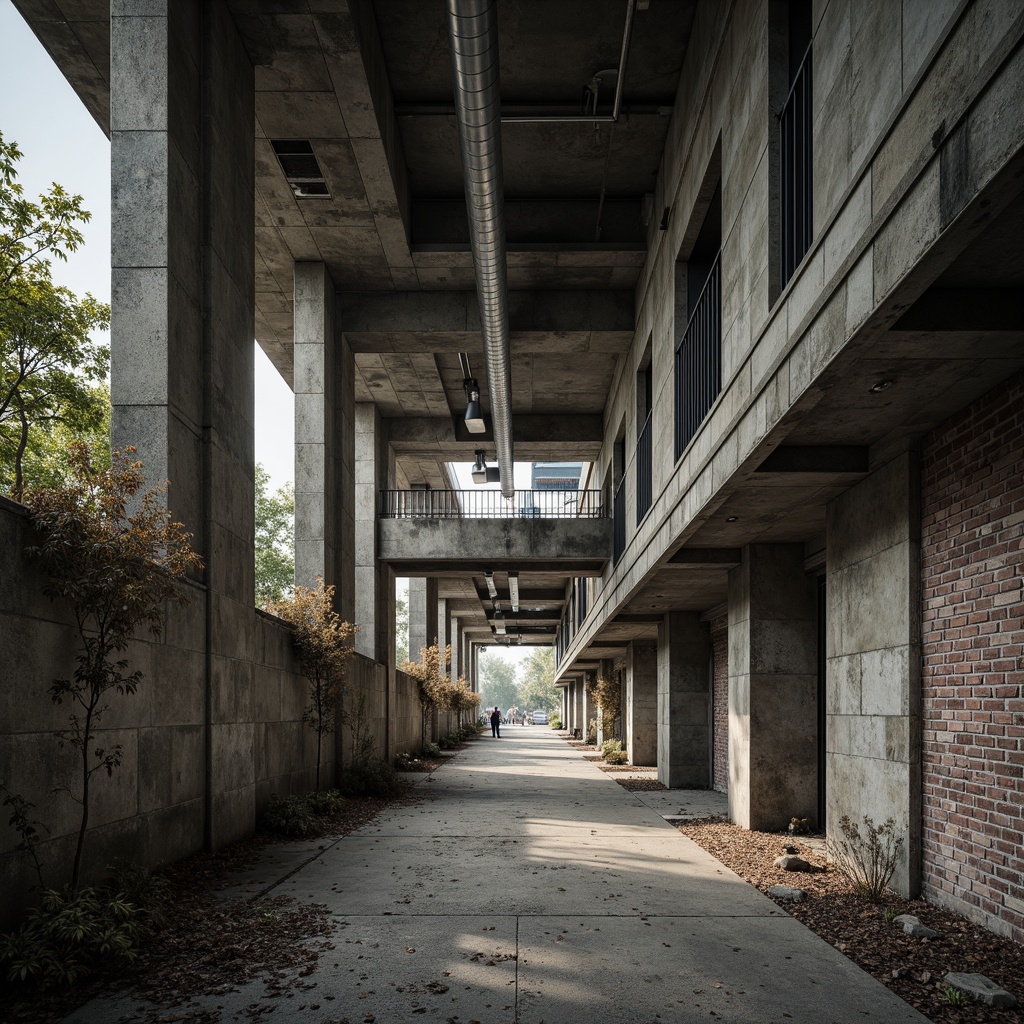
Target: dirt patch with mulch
pixel 613 768
pixel 210 944
pixel 640 785
pixel 913 968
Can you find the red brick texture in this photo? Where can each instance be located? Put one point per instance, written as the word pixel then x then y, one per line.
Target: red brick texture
pixel 972 560
pixel 720 702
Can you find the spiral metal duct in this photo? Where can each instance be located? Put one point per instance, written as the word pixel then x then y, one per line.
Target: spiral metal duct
pixel 473 41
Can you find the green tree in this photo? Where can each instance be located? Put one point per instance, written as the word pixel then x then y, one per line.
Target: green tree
pixel 537 690
pixel 30 232
pixel 275 540
pixel 497 681
pixel 112 552
pixel 49 366
pixel 46 462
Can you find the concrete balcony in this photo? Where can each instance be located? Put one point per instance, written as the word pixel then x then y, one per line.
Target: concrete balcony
pixel 426 531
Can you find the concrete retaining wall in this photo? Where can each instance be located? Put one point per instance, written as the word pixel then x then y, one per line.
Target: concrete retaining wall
pixel 190 752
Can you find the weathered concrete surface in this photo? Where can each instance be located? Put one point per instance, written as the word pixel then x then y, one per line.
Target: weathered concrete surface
pixel 536 889
pixel 773 658
pixel 684 701
pixel 641 711
pixel 575 542
pixel 873 648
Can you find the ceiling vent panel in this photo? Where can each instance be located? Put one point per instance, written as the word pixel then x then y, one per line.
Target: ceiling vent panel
pixel 301 169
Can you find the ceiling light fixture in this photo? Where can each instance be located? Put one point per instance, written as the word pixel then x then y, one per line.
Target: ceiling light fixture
pixel 882 385
pixel 481 472
pixel 491 588
pixel 499 621
pixel 731 519
pixel 513 590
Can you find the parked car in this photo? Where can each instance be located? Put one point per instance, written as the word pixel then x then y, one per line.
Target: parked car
pixel 540 718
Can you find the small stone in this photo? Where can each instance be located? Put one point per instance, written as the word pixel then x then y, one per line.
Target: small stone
pixel 787 892
pixel 792 863
pixel 985 990
pixel 790 848
pixel 913 927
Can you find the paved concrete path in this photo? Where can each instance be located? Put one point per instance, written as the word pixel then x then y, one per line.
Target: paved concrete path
pixel 527 886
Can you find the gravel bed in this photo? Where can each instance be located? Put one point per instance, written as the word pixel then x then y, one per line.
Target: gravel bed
pixel 913 968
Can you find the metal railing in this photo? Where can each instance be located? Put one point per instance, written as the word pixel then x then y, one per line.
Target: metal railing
pixel 699 360
pixel 644 469
pixel 796 128
pixel 539 503
pixel 619 522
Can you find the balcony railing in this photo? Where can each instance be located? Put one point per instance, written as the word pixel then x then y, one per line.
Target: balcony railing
pixel 795 125
pixel 619 522
pixel 699 360
pixel 490 504
pixel 644 469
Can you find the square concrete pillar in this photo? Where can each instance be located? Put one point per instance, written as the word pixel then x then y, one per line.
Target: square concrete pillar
pixel 684 701
pixel 641 708
pixel 324 440
pixel 873 657
pixel 374 600
pixel 773 656
pixel 455 640
pixel 417 601
pixel 182 121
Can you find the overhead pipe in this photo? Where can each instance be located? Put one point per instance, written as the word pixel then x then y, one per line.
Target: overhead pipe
pixel 473 41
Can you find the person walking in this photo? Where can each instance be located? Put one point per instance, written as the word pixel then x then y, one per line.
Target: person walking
pixel 496 723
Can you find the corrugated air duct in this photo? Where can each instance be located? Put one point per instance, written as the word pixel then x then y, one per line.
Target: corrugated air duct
pixel 473 40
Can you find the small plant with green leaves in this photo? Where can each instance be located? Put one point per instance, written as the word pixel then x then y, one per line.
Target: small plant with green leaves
pixel 889 914
pixel 406 762
pixel 289 816
pixel 954 997
pixel 430 750
pixel 868 861
pixel 613 753
pixel 71 935
pixel 28 828
pixel 555 722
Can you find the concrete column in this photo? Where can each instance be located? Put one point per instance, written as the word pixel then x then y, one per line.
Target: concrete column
pixel 684 701
pixel 324 440
pixel 374 604
pixel 772 688
pixel 873 658
pixel 589 711
pixel 182 275
pixel 455 640
pixel 418 637
pixel 641 725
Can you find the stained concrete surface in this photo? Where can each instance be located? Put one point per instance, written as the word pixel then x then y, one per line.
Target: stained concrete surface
pixel 527 886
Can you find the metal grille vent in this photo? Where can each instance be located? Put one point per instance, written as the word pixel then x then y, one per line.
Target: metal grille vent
pixel 301 169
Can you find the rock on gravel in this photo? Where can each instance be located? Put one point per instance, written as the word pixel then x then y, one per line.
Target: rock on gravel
pixel 913 927
pixel 985 990
pixel 790 862
pixel 787 892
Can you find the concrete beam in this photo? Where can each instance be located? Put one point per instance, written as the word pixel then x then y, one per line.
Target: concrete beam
pixel 826 458
pixel 965 309
pixel 725 557
pixel 440 435
pixel 564 545
pixel 370 315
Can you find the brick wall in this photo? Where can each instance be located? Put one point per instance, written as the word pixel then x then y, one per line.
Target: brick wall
pixel 720 702
pixel 973 683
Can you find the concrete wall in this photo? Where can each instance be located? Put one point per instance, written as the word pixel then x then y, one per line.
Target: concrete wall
pixel 972 565
pixel 873 647
pixel 684 701
pixel 153 809
pixel 720 703
pixel 641 704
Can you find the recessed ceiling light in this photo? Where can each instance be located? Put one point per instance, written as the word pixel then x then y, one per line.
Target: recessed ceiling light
pixel 882 385
pixel 731 519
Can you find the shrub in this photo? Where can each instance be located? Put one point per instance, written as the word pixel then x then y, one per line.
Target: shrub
pixel 406 762
pixel 371 776
pixel 868 861
pixel 290 816
pixel 146 892
pixel 613 753
pixel 430 750
pixel 592 731
pixel 324 803
pixel 555 722
pixel 70 936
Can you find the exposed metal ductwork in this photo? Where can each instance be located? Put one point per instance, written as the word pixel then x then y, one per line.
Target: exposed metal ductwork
pixel 473 40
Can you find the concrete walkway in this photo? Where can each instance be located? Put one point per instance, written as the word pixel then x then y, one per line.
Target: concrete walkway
pixel 527 886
